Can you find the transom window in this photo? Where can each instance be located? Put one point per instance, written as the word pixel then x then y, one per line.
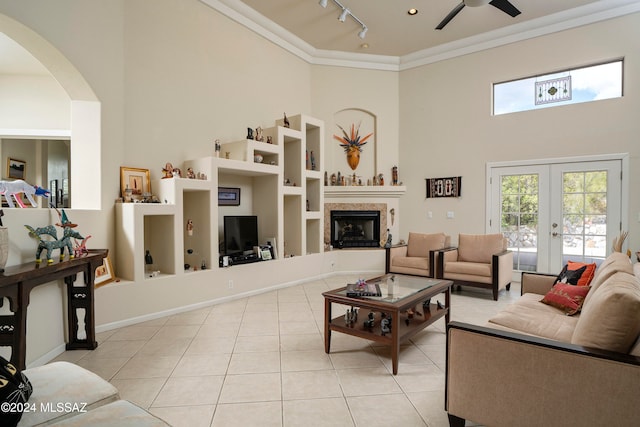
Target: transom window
pixel 586 84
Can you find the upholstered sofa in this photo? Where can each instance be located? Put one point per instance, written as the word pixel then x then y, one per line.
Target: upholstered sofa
pixel 479 260
pixel 64 394
pixel 416 257
pixel 532 365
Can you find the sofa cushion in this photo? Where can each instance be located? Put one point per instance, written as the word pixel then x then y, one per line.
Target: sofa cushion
pixel 566 297
pixel 411 262
pixel 529 316
pixel 577 273
pixel 468 268
pixel 480 247
pixel 419 244
pixel 15 390
pixel 64 383
pixel 614 263
pixel 611 319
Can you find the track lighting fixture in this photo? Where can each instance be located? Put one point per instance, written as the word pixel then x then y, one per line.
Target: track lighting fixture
pixel 343 16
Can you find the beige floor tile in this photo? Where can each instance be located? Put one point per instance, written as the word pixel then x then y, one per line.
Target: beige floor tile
pixel 311 360
pixel 68 356
pixel 186 416
pixel 187 391
pixel 395 410
pixel 257 343
pixel 318 412
pixel 263 414
pixel 193 366
pixel 297 328
pixel 430 406
pixel 102 336
pixel 262 298
pixel 258 328
pixel 255 362
pixel 140 391
pixel 366 358
pixel 299 307
pixel 111 349
pixel 300 297
pixel 310 385
pixel 165 347
pixel 367 382
pixel 302 342
pixel 135 333
pixel 415 378
pixel 223 317
pixel 209 330
pixel 148 367
pixel 262 307
pixel 259 317
pixel 189 318
pixel 251 388
pixel 213 345
pixel 107 368
pixel 177 331
pixel 409 355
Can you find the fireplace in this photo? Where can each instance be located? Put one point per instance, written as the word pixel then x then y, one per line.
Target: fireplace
pixel 355 229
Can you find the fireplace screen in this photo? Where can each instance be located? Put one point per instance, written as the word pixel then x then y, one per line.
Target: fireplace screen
pixel 355 229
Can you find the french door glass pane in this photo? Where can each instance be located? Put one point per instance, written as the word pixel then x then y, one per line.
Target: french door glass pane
pixel 584 214
pixel 519 218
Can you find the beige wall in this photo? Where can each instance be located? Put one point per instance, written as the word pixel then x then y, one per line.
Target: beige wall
pixel 173 75
pixel 446 126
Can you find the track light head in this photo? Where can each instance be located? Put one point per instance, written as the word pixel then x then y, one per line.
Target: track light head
pixel 323 3
pixel 362 34
pixel 343 15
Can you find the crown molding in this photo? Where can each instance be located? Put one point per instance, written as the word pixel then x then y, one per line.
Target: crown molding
pixel 591 13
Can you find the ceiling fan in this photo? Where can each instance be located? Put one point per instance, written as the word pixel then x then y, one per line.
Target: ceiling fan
pixel 503 5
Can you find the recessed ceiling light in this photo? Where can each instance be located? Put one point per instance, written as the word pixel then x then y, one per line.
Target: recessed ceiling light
pixel 412 11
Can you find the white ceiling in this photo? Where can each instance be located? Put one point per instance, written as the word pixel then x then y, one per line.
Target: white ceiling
pixel 395 39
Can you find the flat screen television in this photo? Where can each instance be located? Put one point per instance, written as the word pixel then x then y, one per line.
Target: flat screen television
pixel 240 234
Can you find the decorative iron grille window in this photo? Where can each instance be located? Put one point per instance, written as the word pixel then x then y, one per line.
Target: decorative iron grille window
pixel 586 84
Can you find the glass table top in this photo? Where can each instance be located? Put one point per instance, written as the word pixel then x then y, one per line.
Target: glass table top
pixel 394 287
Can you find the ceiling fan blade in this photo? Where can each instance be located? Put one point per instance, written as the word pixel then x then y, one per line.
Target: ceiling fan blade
pixel 506 7
pixel 450 16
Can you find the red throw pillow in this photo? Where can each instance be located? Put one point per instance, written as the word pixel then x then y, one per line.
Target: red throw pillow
pixel 577 273
pixel 568 298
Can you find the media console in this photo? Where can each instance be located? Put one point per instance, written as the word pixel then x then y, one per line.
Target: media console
pixel 238 259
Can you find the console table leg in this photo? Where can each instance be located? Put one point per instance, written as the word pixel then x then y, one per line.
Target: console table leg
pixel 395 341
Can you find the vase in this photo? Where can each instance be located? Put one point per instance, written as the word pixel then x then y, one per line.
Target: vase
pixel 353 157
pixel 4 247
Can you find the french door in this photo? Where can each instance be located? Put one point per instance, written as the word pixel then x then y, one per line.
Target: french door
pixel 554 212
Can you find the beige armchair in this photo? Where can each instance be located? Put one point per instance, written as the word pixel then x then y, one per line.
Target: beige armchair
pixel 480 260
pixel 417 256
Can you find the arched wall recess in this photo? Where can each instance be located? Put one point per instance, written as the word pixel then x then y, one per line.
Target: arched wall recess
pixel 85 128
pixel 367 164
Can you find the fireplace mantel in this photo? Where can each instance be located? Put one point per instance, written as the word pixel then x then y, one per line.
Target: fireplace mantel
pixel 363 191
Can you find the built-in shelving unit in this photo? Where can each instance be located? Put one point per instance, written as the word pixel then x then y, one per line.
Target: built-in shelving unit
pixel 278 183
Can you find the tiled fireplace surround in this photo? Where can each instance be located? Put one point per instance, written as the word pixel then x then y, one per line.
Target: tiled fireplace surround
pixel 328 207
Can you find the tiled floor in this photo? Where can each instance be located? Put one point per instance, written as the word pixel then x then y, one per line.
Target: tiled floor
pixel 261 361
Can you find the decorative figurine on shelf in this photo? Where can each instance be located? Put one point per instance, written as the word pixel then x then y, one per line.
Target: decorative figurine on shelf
pixel 269 139
pixel 385 326
pixel 334 179
pixel 389 239
pixel 80 248
pixel 167 170
pixel 370 322
pixel 177 173
pixel 259 136
pixel 313 161
pixel 286 121
pixel 190 173
pixel 190 227
pixel 380 179
pixel 307 161
pixel 394 175
pixel 62 243
pixel 14 188
pixel 326 179
pixel 216 147
pixel 249 133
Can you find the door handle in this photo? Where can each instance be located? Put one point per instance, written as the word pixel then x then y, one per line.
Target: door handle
pixel 556 234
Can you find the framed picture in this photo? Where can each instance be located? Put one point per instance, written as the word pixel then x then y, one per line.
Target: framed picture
pixel 444 187
pixel 228 196
pixel 16 169
pixel 104 273
pixel 134 179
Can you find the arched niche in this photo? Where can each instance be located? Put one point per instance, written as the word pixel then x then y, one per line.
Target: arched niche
pixel 84 124
pixel 367 166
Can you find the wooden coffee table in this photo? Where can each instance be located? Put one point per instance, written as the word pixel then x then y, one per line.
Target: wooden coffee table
pixel 406 300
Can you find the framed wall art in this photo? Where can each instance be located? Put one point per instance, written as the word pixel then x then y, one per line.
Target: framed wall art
pixel 16 169
pixel 228 196
pixel 104 273
pixel 444 187
pixel 134 180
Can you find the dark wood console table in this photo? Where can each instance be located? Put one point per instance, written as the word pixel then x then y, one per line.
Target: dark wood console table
pixel 16 284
